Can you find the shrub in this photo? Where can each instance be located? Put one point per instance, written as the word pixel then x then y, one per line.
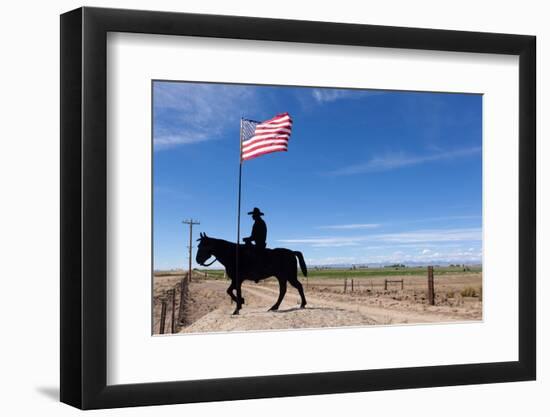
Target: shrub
pixel 468 292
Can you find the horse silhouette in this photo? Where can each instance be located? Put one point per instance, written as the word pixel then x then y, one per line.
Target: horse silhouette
pixel 254 264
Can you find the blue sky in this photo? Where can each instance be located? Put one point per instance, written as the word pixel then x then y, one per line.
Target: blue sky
pixel 370 176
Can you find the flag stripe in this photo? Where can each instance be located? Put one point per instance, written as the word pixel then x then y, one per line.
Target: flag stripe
pixel 266 146
pixel 273 130
pixel 278 118
pixel 273 126
pixel 263 152
pixel 260 138
pixel 264 143
pixel 264 149
pixel 264 140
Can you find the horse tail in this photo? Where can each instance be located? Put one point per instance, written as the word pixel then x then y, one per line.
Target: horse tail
pixel 303 266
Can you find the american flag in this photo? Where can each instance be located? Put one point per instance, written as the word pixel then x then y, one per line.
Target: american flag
pixel 259 138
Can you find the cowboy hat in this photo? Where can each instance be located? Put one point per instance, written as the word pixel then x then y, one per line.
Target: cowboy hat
pixel 256 211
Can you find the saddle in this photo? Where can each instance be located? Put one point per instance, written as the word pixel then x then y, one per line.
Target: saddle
pixel 256 257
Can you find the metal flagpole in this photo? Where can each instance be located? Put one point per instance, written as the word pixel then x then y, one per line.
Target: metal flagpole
pixel 237 277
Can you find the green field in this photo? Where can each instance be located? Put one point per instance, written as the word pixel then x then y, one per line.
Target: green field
pixel 383 272
pixel 335 273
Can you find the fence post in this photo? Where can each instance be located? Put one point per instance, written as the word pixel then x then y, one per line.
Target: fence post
pixel 183 297
pixel 402 285
pixel 385 285
pixel 345 284
pixel 352 285
pixel 162 317
pixel 431 290
pixel 173 318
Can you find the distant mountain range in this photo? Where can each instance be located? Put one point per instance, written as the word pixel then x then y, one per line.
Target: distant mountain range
pixel 386 265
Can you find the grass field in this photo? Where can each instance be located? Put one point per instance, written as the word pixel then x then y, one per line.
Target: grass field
pixel 383 272
pixel 342 273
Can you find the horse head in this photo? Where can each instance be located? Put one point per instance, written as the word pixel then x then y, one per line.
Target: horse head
pixel 205 249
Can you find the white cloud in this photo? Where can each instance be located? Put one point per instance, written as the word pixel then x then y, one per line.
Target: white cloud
pixel 326 241
pixel 327 95
pixel 398 160
pixel 440 257
pixel 350 226
pixel 187 113
pixel 419 236
pixel 181 138
pixel 445 218
pixel 334 244
pixel 331 260
pixel 445 247
pixel 435 235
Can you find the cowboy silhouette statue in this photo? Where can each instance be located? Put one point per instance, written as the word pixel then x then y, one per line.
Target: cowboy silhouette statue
pixel 259 230
pixel 255 262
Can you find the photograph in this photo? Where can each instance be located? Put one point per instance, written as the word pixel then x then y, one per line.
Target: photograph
pixel 350 207
pixel 274 209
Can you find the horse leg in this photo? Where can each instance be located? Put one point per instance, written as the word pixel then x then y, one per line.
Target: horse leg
pixel 230 292
pixel 239 299
pixel 232 295
pixel 282 292
pixel 298 285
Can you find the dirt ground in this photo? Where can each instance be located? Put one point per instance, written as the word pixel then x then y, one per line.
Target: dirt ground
pixel 208 307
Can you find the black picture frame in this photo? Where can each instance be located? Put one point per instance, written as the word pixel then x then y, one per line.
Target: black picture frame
pixel 84 207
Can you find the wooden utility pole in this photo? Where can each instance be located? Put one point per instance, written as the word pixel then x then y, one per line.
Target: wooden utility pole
pixel 190 222
pixel 172 294
pixel 162 317
pixel 431 289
